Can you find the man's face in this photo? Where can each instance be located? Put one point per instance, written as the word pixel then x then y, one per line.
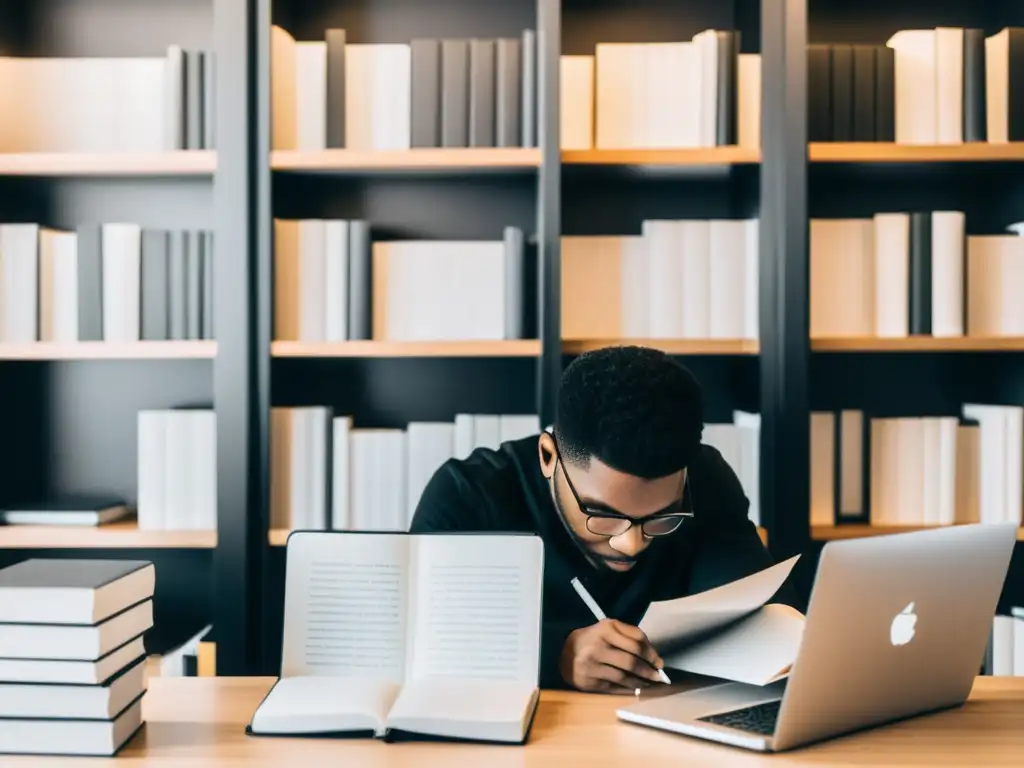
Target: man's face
pixel 601 489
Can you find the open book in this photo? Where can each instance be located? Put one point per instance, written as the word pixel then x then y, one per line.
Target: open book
pixel 391 634
pixel 729 632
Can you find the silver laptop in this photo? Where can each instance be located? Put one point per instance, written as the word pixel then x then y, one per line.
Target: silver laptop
pixel 897 626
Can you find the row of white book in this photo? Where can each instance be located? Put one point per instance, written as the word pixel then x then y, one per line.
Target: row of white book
pixel 887 276
pixel 690 279
pixel 696 93
pixel 406 290
pixel 1007 652
pixel 98 104
pixel 953 85
pixel 913 471
pixel 177 469
pixel 326 473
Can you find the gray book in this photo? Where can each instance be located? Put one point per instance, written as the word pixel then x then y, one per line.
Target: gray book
pixel 90 282
pixel 514 261
pixel 193 100
pixel 481 93
pixel 455 93
pixel 360 285
pixel 529 85
pixel 155 310
pixel 336 39
pixel 174 105
pixel 209 67
pixel 207 287
pixel 426 93
pixel 194 283
pixel 508 97
pixel 177 292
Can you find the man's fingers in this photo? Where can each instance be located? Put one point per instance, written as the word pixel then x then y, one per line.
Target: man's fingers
pixel 634 641
pixel 629 663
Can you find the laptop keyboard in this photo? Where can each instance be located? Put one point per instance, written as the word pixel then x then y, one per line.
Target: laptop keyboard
pixel 759 718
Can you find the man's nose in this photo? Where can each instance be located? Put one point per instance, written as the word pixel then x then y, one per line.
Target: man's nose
pixel 630 543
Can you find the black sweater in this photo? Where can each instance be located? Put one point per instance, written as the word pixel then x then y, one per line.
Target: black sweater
pixel 504 490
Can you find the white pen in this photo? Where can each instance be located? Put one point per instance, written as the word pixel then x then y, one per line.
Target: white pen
pixel 599 615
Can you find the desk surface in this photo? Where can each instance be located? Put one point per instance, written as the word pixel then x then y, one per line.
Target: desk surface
pixel 201 721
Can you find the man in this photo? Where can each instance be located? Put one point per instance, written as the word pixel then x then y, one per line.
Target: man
pixel 625 497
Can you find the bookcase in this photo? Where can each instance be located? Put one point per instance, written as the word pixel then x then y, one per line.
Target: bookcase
pixel 573 192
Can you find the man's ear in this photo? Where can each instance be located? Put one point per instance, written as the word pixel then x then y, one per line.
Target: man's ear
pixel 546 454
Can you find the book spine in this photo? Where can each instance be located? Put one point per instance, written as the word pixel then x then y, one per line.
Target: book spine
pixel 481 93
pixel 90 283
pixel 193 100
pixel 155 322
pixel 514 261
pixel 863 93
pixel 209 100
pixel 975 123
pixel 194 282
pixel 920 273
pixel 819 104
pixel 360 284
pixel 529 88
pixel 207 287
pixel 509 93
pixel 842 93
pixel 455 93
pixel 336 40
pixel 426 93
pixel 885 93
pixel 174 105
pixel 178 290
pixel 725 118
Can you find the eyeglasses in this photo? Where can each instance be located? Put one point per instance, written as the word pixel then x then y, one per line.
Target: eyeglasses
pixel 606 523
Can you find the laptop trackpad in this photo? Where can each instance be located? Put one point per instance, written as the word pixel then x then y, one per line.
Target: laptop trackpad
pixel 691 705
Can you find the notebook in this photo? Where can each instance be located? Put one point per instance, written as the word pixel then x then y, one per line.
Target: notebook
pixel 396 635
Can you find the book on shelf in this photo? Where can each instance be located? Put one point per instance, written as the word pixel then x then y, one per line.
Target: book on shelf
pixel 917 471
pixel 374 655
pixel 118 282
pixel 701 92
pixel 334 282
pixel 177 469
pixel 1007 644
pixel 730 632
pixel 686 279
pixel 428 92
pixel 84 510
pixel 109 104
pixel 72 654
pixel 327 473
pixel 901 274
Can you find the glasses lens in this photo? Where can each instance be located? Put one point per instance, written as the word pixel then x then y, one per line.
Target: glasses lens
pixel 660 526
pixel 607 526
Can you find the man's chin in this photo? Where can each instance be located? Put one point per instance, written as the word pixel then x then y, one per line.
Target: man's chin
pixel 619 565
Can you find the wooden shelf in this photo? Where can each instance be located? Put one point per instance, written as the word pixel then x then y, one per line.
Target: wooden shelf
pixel 445 160
pixel 511 348
pixel 856 531
pixel 107 350
pixel 121 535
pixel 181 163
pixel 698 156
pixel 670 346
pixel 918 344
pixel 870 152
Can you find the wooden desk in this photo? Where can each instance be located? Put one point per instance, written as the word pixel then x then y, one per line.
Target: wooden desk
pixel 194 722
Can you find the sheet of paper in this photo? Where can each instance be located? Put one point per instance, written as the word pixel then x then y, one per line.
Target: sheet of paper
pixel 756 650
pixel 476 607
pixel 672 623
pixel 345 605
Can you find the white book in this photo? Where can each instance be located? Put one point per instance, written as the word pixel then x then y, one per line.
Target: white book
pixel 949 85
pixel 516 427
pixel 19 282
pixel 664 276
pixel 997 86
pixel 851 463
pixel 1014 424
pixel 947 469
pixel 915 86
pixel 341 478
pixel 287 279
pixel 707 43
pixel 727 294
pixel 891 274
pixel 336 266
pixel 672 68
pixel 930 478
pixel 823 446
pixel 311 94
pixel 577 102
pixel 748 426
pixel 312 280
pixel 1002 646
pixel 634 288
pixel 748 107
pixel 280 468
pixel 374 655
pixel 122 266
pixel 992 455
pixel 178 472
pixel 694 296
pixel 283 103
pixel 616 121
pixel 378 96
pixel 58 285
pixel 751 278
pixel 430 444
pixel 487 430
pixel 152 446
pixel 465 435
pixel 1018 643
pixel 948 246
pixel 968 474
pixel 138 116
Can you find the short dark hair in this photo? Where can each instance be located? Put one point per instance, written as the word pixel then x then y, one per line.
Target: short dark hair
pixel 636 409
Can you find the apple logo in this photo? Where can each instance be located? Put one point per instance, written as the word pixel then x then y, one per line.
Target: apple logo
pixel 902 630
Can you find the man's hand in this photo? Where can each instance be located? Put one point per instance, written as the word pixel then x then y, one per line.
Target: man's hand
pixel 609 657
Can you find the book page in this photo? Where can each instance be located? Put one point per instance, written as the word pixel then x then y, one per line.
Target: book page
pixel 345 605
pixel 669 624
pixel 324 704
pixel 476 607
pixel 756 650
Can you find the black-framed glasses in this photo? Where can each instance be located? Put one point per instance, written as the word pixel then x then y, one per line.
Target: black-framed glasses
pixel 608 523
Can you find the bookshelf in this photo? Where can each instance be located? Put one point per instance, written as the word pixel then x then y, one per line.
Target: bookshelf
pixel 853 531
pixel 582 203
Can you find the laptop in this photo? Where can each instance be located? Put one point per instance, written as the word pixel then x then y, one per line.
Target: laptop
pixel 897 626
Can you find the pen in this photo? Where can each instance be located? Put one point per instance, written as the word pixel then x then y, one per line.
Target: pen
pixel 599 615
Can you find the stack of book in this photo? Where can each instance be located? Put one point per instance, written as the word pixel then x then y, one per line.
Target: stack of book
pixel 72 654
pixel 117 281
